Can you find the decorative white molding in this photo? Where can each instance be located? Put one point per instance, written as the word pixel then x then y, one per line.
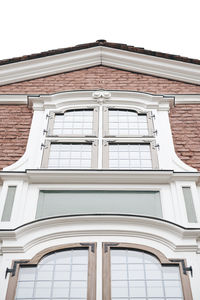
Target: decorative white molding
pixel 47 176
pixel 101 94
pixel 13 99
pixel 147 229
pixel 138 99
pixel 125 60
pixel 187 99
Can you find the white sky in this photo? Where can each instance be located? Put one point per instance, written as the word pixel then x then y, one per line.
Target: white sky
pixel 32 26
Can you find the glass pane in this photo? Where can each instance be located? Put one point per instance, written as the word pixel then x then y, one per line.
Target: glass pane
pixel 53 203
pixel 53 280
pixel 191 215
pixel 76 122
pixel 129 156
pixel 70 156
pixel 7 211
pixel 138 275
pixel 127 122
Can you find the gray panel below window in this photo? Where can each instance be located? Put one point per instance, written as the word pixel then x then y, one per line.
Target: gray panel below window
pixel 55 203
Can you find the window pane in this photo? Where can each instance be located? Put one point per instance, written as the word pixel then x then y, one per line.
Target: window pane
pixel 138 275
pixel 8 204
pixel 191 215
pixel 127 122
pixel 43 282
pixel 70 156
pixel 130 156
pixel 76 122
pixel 52 203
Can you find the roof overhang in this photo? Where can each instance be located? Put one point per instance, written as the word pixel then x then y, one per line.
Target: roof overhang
pixel 95 56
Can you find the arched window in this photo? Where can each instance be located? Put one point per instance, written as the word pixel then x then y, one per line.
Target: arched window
pixel 100 137
pixel 131 272
pixel 61 274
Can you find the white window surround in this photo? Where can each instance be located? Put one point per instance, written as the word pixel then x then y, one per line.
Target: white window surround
pixel 140 102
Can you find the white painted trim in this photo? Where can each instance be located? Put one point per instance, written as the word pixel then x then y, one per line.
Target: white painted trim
pixel 25 99
pixel 168 234
pixel 13 99
pixel 140 100
pixel 187 99
pixel 80 59
pixel 101 176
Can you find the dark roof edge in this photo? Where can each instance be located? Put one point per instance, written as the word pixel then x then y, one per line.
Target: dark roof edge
pixel 96 44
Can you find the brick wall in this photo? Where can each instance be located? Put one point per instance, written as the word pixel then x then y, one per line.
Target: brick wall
pixel 15 120
pixel 185 125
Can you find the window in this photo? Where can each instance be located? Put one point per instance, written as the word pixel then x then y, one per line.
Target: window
pixel 132 272
pixel 55 203
pixel 100 137
pixel 7 211
pixel 61 274
pixel 189 205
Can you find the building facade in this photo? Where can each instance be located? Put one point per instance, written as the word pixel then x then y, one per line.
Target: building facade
pixel 99 179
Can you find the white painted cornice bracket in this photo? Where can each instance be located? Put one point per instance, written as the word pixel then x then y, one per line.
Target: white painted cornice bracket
pixel 95 56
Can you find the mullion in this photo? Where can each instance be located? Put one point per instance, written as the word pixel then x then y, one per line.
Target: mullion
pixel 70 274
pixel 53 274
pixel 163 281
pixel 127 274
pixel 145 278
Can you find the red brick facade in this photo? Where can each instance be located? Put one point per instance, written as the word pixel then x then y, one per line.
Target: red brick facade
pixel 16 119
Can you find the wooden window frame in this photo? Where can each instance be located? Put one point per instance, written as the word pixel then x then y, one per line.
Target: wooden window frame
pixel 95 123
pixel 150 142
pixel 91 289
pixel 106 267
pixel 47 148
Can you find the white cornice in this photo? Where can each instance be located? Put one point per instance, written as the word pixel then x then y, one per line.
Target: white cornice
pixel 33 234
pixel 125 60
pixel 117 95
pixel 187 99
pixel 99 176
pixel 13 99
pixel 139 100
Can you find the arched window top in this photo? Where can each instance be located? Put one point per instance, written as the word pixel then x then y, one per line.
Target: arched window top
pixel 65 272
pixel 141 272
pixel 61 274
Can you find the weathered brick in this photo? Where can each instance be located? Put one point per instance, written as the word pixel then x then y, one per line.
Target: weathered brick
pixel 15 125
